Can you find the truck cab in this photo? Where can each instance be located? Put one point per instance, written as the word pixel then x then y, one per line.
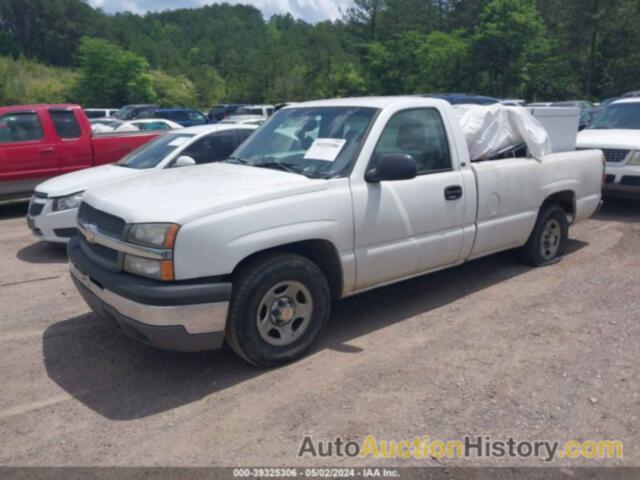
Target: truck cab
pixel 38 142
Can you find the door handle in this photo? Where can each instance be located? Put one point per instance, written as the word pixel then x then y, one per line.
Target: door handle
pixel 453 192
pixel 45 152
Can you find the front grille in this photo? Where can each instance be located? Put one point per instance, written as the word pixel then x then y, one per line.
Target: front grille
pixel 65 232
pixel 615 155
pixel 105 222
pixel 630 180
pixel 103 252
pixel 35 209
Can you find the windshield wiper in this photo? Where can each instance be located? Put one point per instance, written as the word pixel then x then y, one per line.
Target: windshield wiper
pixel 280 166
pixel 238 160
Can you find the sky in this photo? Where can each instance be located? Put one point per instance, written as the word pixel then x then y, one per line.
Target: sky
pixel 309 10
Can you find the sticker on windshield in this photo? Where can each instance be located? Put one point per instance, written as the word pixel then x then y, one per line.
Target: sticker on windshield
pixel 178 141
pixel 326 149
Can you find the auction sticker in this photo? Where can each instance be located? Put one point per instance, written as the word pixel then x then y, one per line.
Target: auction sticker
pixel 326 149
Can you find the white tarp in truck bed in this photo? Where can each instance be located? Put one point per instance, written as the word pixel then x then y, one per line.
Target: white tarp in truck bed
pixel 489 130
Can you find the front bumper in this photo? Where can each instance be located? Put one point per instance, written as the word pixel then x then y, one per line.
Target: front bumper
pixel 622 181
pixel 50 226
pixel 180 316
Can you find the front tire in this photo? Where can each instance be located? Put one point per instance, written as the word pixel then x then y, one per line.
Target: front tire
pixel 548 241
pixel 279 306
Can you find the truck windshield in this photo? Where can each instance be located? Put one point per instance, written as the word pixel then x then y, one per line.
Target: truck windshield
pixel 151 154
pixel 624 116
pixel 316 142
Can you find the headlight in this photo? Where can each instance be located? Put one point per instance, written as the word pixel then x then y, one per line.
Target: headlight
pixel 68 202
pixel 157 235
pixel 634 159
pixel 145 267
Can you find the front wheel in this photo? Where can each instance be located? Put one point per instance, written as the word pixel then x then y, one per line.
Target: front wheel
pixel 279 307
pixel 548 241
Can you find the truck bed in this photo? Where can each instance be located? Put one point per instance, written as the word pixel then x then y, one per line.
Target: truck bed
pixel 510 191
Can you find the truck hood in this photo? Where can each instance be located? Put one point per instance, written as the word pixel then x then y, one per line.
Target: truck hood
pixel 183 194
pixel 81 180
pixel 622 139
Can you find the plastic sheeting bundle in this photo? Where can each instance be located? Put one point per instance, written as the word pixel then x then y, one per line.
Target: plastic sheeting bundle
pixel 489 130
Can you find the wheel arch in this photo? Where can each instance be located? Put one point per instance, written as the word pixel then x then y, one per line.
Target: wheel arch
pixel 566 199
pixel 320 251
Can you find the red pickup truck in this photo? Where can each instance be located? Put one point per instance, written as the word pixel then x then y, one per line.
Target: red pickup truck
pixel 41 141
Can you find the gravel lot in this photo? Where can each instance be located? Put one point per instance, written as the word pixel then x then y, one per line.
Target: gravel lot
pixel 491 347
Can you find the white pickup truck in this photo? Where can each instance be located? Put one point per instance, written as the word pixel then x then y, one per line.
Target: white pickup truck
pixel 326 200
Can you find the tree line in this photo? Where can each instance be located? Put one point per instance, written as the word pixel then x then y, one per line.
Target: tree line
pixel 54 50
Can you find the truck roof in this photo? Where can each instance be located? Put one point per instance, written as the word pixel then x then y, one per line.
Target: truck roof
pixel 371 102
pixel 41 106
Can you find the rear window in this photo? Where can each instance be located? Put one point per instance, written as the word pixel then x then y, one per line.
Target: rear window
pixel 249 111
pixel 65 123
pixel 20 127
pixel 95 113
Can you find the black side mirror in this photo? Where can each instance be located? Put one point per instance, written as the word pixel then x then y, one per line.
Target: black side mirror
pixel 393 166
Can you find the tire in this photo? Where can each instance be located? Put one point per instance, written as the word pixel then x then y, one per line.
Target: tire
pixel 548 241
pixel 279 306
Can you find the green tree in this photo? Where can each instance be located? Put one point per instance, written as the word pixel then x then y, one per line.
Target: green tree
pixel 504 43
pixel 111 76
pixel 444 63
pixel 173 91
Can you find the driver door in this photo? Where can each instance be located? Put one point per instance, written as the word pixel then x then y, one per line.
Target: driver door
pixel 404 228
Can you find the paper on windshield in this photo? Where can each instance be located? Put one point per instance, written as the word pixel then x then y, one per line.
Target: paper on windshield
pixel 326 149
pixel 178 141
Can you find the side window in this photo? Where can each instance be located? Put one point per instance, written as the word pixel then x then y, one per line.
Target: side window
pixel 419 133
pixel 215 147
pixel 196 117
pixel 150 126
pixel 242 135
pixel 65 123
pixel 20 127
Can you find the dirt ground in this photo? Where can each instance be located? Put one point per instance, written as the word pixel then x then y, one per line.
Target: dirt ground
pixel 491 348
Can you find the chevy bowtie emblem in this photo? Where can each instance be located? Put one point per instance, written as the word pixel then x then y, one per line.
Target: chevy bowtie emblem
pixel 90 233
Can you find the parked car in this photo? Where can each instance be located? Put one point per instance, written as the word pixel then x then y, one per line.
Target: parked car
pixel 263 110
pixel 326 200
pixel 41 141
pixel 616 131
pixel 54 206
pixel 99 112
pixel 540 104
pixel 245 119
pixel 109 125
pixel 132 112
pixel 581 104
pixel 514 102
pixel 187 117
pixel 220 112
pixel 463 98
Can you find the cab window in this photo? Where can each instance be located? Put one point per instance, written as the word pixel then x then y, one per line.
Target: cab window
pixel 213 148
pixel 65 123
pixel 419 133
pixel 20 127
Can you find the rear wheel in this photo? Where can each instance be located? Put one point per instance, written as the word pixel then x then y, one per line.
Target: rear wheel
pixel 548 241
pixel 278 309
